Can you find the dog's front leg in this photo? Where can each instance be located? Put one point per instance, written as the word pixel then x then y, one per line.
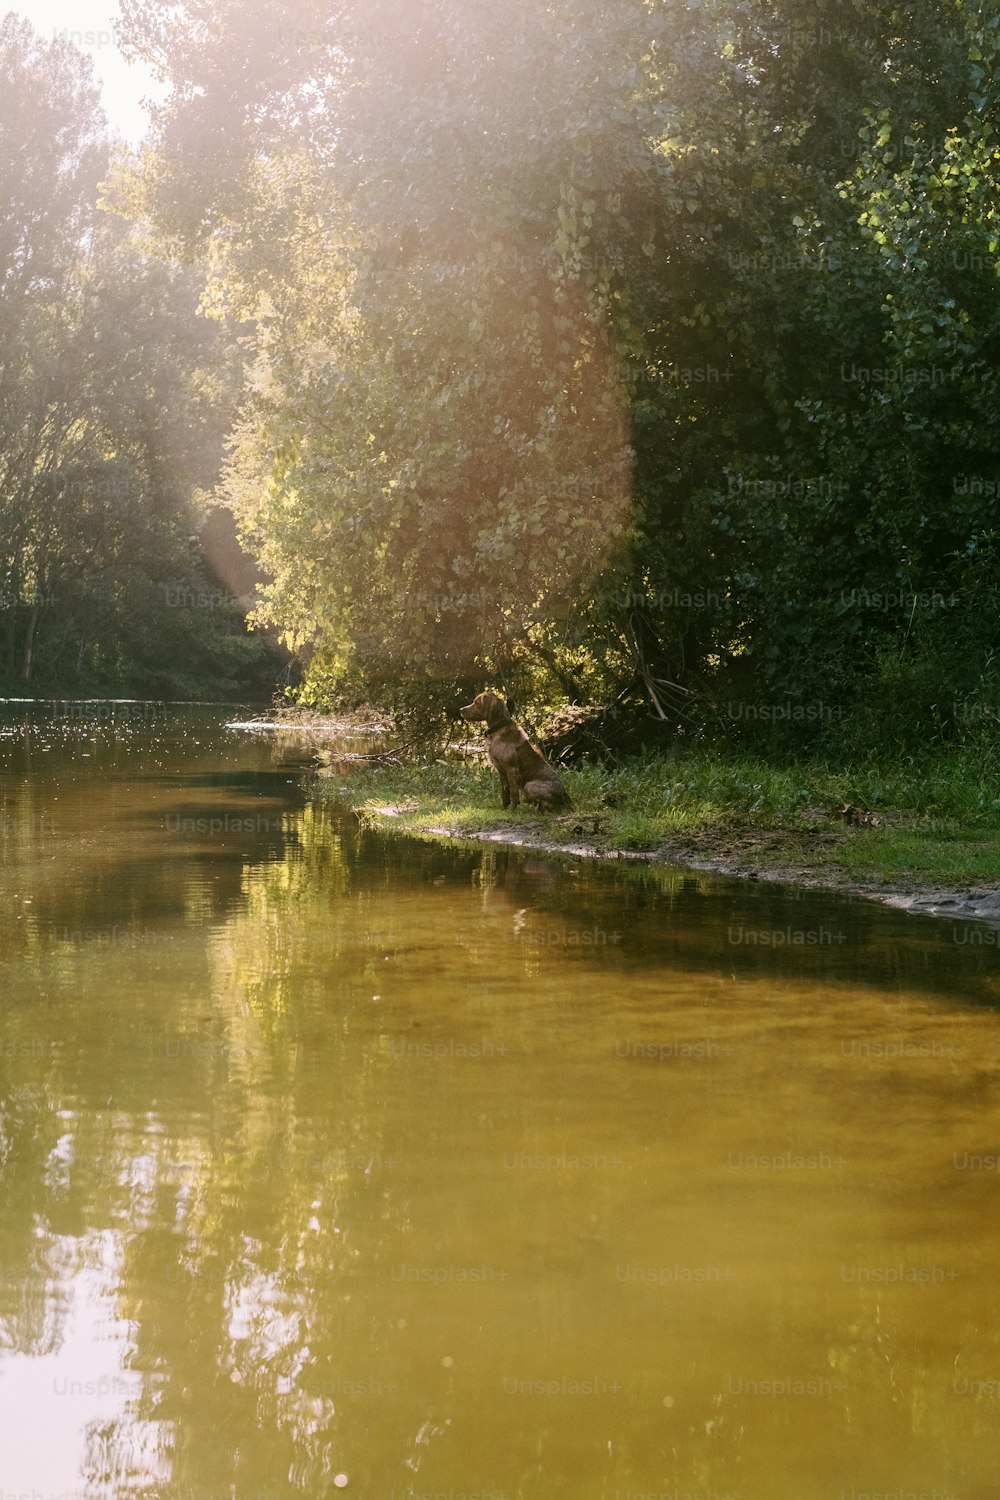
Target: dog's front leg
pixel 504 788
pixel 514 779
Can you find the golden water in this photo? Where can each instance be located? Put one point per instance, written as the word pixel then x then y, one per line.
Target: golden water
pixel 338 1163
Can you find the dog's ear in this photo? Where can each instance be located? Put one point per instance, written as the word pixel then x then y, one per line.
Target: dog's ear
pixel 498 714
pixel 511 705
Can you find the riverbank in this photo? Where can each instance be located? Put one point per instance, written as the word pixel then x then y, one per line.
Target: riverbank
pixel 924 840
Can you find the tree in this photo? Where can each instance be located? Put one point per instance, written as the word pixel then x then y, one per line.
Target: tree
pixel 51 154
pixel 437 408
pixel 114 397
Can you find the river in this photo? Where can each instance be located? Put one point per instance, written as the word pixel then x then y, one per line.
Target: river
pixel 337 1162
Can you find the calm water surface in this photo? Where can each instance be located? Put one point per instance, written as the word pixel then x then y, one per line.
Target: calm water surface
pixel 337 1162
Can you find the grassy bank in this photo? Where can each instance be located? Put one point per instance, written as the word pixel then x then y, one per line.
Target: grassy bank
pixel 932 824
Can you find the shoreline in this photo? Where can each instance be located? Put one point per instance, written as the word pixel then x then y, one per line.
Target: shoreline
pixel 932 865
pixel 979 902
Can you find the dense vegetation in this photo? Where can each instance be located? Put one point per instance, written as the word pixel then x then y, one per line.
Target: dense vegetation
pixel 642 354
pixel 113 410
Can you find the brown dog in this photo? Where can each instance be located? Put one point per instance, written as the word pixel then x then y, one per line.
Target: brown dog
pixel 521 766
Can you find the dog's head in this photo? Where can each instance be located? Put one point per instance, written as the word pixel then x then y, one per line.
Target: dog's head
pixel 488 707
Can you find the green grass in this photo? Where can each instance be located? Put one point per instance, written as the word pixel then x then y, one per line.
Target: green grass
pixel 940 821
pixel 936 853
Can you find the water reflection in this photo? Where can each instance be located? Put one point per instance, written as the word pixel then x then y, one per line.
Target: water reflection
pixel 458 1171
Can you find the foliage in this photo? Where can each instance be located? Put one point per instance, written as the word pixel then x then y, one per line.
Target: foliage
pixel 639 351
pixel 114 397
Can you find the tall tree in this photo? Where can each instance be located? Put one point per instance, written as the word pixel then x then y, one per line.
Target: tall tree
pixel 114 397
pixel 51 154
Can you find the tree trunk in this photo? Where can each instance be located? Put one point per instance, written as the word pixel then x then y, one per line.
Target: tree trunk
pixel 29 641
pixel 13 599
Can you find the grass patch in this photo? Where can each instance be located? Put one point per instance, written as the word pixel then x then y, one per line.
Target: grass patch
pixel 935 853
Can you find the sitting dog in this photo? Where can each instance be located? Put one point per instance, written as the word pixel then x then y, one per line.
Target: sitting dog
pixel 521 766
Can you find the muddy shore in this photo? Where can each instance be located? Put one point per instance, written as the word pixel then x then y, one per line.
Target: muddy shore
pixel 712 852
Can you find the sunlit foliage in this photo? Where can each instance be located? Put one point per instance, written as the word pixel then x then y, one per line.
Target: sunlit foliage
pixel 114 397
